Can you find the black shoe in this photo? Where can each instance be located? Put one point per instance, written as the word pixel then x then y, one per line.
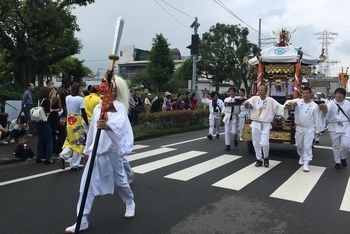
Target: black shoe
pixel 39 160
pixel 75 168
pixel 227 148
pixel 258 163
pixel 61 163
pixel 343 162
pixel 337 166
pixel 266 162
pixel 210 137
pixel 217 136
pixel 235 142
pixel 49 162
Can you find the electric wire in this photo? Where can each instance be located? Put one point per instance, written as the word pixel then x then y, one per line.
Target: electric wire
pixel 233 14
pixel 171 15
pixel 178 9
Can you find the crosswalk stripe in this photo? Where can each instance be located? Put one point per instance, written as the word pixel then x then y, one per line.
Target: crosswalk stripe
pixel 201 168
pixel 136 147
pixel 345 204
pixel 149 153
pixel 299 185
pixel 245 176
pixel 183 142
pixel 144 168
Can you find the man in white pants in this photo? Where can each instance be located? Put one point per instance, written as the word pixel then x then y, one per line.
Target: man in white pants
pixel 243 115
pixel 262 111
pixel 308 120
pixel 215 106
pixel 230 119
pixel 338 116
pixel 108 175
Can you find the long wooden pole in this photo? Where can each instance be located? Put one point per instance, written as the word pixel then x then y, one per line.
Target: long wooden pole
pixel 113 58
pixel 104 109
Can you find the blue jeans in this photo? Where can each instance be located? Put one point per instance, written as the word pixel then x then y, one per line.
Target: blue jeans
pixel 45 141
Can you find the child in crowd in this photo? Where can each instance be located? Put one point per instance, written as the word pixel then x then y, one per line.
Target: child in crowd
pixel 18 128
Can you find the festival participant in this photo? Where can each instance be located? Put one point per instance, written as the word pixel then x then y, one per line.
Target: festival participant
pixel 91 100
pixel 243 115
pixel 338 116
pixel 108 173
pixel 230 118
pixel 262 111
pixel 318 99
pixel 215 107
pixel 75 141
pixel 308 122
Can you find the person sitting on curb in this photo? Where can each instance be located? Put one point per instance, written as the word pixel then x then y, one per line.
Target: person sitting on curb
pixel 18 128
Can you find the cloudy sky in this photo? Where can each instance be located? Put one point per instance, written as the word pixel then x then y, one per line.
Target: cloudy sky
pixel 146 18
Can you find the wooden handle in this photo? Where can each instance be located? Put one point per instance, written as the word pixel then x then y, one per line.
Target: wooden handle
pixel 112 58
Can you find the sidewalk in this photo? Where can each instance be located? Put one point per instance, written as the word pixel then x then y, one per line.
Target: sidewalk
pixel 7 150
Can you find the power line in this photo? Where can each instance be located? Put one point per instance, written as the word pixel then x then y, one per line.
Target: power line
pixel 233 14
pixel 178 10
pixel 171 15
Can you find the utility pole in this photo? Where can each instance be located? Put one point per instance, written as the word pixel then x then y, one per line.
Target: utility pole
pixel 326 38
pixel 194 52
pixel 259 36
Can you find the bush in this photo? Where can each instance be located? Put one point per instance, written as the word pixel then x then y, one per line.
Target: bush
pixel 176 118
pixel 170 122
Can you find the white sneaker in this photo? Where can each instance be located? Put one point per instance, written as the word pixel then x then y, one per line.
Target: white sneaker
pixel 131 177
pixel 12 141
pixel 71 229
pixel 301 162
pixel 306 166
pixel 4 142
pixel 130 210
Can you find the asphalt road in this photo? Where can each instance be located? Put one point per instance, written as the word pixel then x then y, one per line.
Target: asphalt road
pixel 187 184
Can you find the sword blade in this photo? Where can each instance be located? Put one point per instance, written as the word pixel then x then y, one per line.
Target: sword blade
pixel 117 34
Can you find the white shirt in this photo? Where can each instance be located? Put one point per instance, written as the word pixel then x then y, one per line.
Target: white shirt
pixel 264 111
pixel 74 104
pixel 219 108
pixel 337 121
pixel 307 116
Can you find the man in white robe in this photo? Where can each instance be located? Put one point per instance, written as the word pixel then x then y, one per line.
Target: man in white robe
pixel 230 119
pixel 338 116
pixel 115 142
pixel 308 120
pixel 262 111
pixel 215 106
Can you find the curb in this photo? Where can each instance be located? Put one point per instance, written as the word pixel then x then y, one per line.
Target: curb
pixel 4 161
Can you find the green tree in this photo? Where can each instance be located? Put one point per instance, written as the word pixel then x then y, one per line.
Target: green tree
pixel 71 69
pixel 161 65
pixel 223 50
pixel 35 34
pixel 140 82
pixel 180 77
